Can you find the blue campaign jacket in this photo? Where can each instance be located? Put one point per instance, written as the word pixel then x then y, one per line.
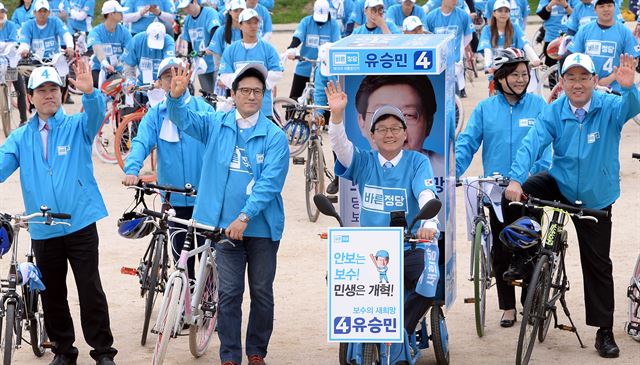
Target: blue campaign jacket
pixel 500 128
pixel 585 162
pixel 268 152
pixel 178 162
pixel 64 182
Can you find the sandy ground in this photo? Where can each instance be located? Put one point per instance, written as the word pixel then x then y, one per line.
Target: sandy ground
pixel 300 336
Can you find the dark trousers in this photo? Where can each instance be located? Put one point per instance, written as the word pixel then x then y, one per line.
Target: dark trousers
pixel 95 75
pixel 80 250
pixel 594 240
pixel 257 257
pixel 297 86
pixel 21 95
pixel 178 239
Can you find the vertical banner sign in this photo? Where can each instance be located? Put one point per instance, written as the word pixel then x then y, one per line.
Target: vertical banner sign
pixel 366 293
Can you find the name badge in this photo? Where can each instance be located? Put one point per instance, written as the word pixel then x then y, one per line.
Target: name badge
pixel 259 158
pixel 526 122
pixel 63 150
pixel 592 137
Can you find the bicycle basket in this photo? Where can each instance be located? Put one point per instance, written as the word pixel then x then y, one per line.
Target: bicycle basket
pixel 521 234
pixel 134 226
pixel 6 235
pixel 297 132
pixel 113 85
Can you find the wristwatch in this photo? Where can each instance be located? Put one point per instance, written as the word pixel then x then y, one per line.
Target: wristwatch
pixel 243 217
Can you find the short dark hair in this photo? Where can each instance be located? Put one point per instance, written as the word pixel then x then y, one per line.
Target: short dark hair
pixel 600 2
pixel 251 72
pixel 420 83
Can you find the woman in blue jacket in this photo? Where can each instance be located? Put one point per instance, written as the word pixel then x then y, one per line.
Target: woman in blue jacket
pixel 500 123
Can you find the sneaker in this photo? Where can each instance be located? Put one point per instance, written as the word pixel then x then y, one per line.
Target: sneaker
pixel 62 359
pixel 606 344
pixel 256 360
pixel 334 186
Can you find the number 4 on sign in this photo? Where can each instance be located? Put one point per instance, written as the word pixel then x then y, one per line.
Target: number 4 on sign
pixel 423 60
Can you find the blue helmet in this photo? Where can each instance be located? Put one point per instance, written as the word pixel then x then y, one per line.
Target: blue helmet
pixel 6 235
pixel 133 225
pixel 297 132
pixel 382 253
pixel 521 234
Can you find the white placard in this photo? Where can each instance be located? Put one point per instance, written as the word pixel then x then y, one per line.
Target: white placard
pixel 366 290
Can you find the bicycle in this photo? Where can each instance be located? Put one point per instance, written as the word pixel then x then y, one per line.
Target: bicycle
pixel 23 311
pixel 153 268
pixel 179 306
pixel 632 326
pixel 549 282
pixel 409 351
pixel 480 271
pixel 459 116
pixel 8 74
pixel 82 51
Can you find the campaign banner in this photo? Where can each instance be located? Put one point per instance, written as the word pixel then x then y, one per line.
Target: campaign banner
pixel 365 284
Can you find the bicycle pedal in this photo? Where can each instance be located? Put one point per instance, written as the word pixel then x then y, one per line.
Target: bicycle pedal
pixel 469 300
pixel 564 327
pixel 48 344
pixel 516 283
pixel 298 160
pixel 333 198
pixel 129 271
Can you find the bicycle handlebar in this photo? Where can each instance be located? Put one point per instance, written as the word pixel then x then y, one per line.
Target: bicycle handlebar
pixel 188 189
pixel 44 212
pixel 580 213
pixel 495 178
pixel 170 216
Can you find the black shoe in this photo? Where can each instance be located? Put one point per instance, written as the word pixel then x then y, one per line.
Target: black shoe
pixel 106 360
pixel 333 187
pixel 605 344
pixel 463 94
pixel 61 359
pixel 506 323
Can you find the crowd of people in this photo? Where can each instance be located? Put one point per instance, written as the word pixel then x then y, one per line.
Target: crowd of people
pixel 238 159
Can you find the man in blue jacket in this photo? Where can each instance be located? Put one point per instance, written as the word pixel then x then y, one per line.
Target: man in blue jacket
pixel 584 127
pixel 246 161
pixel 53 152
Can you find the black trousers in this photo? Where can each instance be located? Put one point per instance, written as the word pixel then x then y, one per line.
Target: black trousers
pixel 178 240
pixel 21 95
pixel 80 250
pixel 297 86
pixel 594 240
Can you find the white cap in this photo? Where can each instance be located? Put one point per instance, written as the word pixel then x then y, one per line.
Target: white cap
pixel 323 57
pixel 373 3
pixel 410 23
pixel 2 7
pixel 237 4
pixel 248 14
pixel 43 75
pixel 40 4
pixel 501 4
pixel 155 35
pixel 112 6
pixel 321 11
pixel 252 65
pixel 413 1
pixel 578 59
pixel 183 4
pixel 168 63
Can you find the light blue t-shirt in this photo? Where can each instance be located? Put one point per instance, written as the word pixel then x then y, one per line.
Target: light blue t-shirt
pixel 238 189
pixel 197 31
pixel 458 23
pixel 236 56
pixel 584 14
pixel 519 11
pixel 43 41
pixel 313 35
pixel 364 30
pixel 56 5
pixel 604 46
pixel 519 39
pixel 166 6
pixel 9 32
pixel 557 22
pixel 22 15
pixel 81 5
pixel 394 14
pixel 138 54
pixel 113 44
pixel 218 44
pixel 357 14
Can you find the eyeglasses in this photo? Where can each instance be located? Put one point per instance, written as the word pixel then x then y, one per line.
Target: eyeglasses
pixel 394 130
pixel 246 91
pixel 515 76
pixel 575 80
pixel 377 9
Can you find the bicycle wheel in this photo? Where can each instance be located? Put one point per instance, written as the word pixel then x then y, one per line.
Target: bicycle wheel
pixel 283 110
pixel 314 178
pixel 546 80
pixel 9 340
pixel 105 139
pixel 533 311
pixel 480 278
pixel 201 332
pixel 126 132
pixel 460 122
pixel 35 316
pixel 8 123
pixel 538 45
pixel 439 335
pixel 150 283
pixel 370 354
pixel 556 282
pixel 167 321
pixel 342 354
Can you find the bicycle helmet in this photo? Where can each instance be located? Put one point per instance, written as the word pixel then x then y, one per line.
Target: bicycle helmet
pixel 521 234
pixel 553 49
pixel 297 132
pixel 133 225
pixel 508 56
pixel 6 235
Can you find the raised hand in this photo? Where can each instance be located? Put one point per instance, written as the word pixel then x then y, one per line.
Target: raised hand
pixel 83 81
pixel 337 101
pixel 180 80
pixel 626 72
